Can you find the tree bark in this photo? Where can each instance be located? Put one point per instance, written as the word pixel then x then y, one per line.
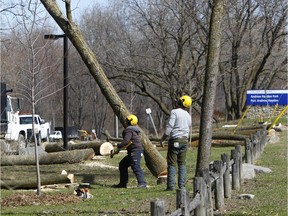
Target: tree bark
pixel 154 160
pixel 31 183
pixel 212 68
pixel 100 147
pixel 221 143
pixel 75 156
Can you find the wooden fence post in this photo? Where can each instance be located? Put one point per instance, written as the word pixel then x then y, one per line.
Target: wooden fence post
pixel 238 148
pixel 182 201
pixel 219 190
pixel 235 170
pixel 199 185
pixel 252 149
pixel 157 208
pixel 248 151
pixel 208 195
pixel 256 146
pixel 226 176
pixel 259 138
pixel 263 134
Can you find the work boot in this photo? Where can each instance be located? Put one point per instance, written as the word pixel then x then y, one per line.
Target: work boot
pixel 119 186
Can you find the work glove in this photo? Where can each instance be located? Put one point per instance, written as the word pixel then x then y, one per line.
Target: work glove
pixel 117 150
pixel 114 151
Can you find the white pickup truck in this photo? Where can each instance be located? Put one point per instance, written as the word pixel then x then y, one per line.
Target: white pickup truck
pixel 16 128
pixel 21 127
pixel 55 136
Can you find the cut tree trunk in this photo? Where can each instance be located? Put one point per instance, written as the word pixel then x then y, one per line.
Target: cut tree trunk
pixel 110 138
pixel 115 139
pixel 31 183
pixel 100 147
pixel 221 143
pixel 75 156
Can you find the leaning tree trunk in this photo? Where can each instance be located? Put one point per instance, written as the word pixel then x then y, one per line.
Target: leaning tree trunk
pixel 154 160
pixel 212 68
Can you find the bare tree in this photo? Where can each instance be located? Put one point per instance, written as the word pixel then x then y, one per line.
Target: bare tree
pixel 255 32
pixel 212 69
pixel 9 9
pixel 160 48
pixel 25 48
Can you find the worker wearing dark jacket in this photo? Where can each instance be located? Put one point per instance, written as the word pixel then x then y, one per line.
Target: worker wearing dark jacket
pixel 132 142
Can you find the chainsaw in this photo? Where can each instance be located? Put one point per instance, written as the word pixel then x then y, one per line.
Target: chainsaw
pixel 117 150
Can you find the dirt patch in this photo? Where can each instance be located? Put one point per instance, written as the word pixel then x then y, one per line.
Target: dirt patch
pixel 45 199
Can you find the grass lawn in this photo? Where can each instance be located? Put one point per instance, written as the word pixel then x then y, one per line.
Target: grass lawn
pixel 270 190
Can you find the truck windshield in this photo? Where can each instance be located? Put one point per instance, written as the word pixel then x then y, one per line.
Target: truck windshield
pixel 27 120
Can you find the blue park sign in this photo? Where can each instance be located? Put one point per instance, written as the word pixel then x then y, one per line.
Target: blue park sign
pixel 267 97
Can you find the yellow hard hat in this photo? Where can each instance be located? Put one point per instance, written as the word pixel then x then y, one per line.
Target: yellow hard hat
pixel 186 101
pixel 132 119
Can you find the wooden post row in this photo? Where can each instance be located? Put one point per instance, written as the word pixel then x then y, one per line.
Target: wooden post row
pixel 235 170
pixel 157 208
pixel 226 176
pixel 248 155
pixel 238 148
pixel 252 149
pixel 182 201
pixel 219 190
pixel 199 185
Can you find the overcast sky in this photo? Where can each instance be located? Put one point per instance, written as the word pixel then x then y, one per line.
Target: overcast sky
pixel 79 6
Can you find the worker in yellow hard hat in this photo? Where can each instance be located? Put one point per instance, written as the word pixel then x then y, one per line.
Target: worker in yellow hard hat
pixel 177 129
pixel 132 142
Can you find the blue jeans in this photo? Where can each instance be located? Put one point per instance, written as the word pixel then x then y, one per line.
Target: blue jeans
pixel 176 155
pixel 133 159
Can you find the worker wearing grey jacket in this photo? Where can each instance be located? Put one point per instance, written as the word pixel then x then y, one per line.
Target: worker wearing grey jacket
pixel 177 128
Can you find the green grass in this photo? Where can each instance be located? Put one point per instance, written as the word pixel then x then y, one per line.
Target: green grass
pixel 270 190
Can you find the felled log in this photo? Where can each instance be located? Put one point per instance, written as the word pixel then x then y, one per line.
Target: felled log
pixel 110 138
pixel 115 139
pixel 218 139
pixel 31 181
pixel 74 156
pixel 253 127
pixel 100 147
pixel 216 136
pixel 223 136
pixel 221 143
